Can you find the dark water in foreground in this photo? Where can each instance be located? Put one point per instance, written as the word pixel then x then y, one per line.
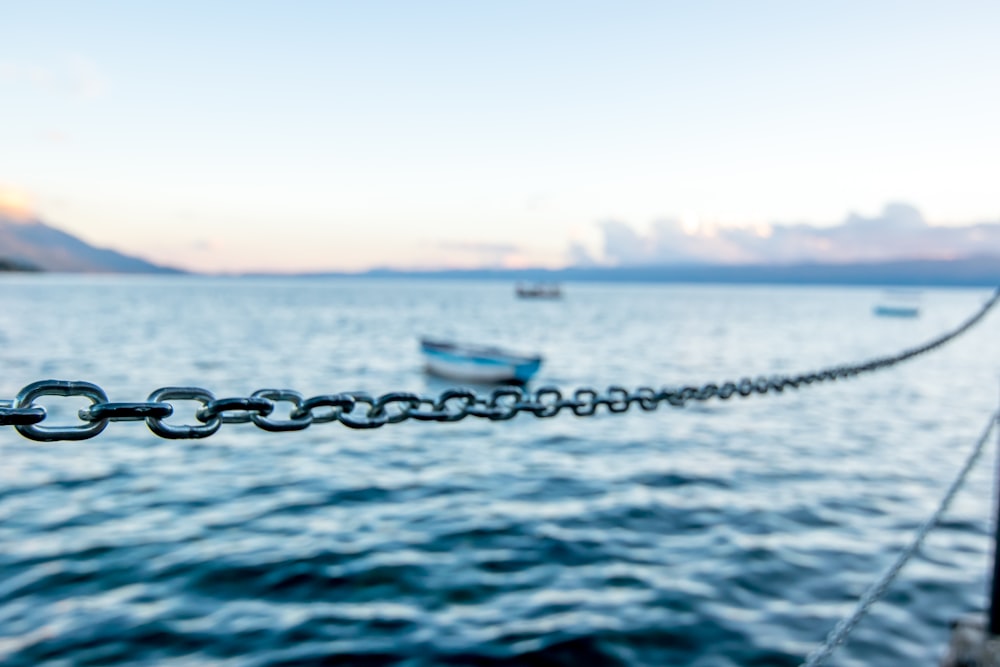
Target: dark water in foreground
pixel 728 534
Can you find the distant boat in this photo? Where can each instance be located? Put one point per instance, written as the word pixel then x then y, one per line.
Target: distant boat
pixel 896 311
pixel 539 291
pixel 898 304
pixel 475 363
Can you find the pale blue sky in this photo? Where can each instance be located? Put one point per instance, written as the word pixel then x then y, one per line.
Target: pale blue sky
pixel 324 135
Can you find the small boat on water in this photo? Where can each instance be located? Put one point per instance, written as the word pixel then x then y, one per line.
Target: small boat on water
pixel 896 311
pixel 898 304
pixel 476 363
pixel 539 291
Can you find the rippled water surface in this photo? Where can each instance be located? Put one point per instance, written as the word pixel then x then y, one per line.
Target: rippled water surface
pixel 731 533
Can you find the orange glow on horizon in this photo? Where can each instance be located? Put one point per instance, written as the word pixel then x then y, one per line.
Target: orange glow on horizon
pixel 15 204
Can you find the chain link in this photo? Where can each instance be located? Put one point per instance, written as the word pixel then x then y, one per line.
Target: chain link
pixel 35 431
pixel 359 410
pixel 235 410
pixel 208 426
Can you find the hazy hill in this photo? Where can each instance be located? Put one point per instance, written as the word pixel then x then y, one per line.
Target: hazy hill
pixel 33 244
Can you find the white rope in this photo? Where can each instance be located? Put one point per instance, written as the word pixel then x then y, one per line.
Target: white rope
pixel 879 588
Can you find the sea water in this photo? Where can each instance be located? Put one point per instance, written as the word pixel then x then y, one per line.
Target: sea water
pixel 726 533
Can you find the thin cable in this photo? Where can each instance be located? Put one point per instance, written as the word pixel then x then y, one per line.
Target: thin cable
pixel 879 588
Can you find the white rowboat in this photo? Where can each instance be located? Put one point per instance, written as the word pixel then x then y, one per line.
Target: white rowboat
pixel 474 363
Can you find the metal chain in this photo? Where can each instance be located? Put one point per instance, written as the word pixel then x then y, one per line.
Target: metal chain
pixel 877 590
pixel 359 410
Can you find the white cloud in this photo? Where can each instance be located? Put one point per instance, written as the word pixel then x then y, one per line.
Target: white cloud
pixel 76 76
pixel 899 232
pixel 86 78
pixel 485 254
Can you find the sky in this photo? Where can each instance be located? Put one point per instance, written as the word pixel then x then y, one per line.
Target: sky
pixel 307 136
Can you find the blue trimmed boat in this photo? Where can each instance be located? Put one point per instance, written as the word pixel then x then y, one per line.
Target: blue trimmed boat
pixel 479 364
pixel 896 311
pixel 898 303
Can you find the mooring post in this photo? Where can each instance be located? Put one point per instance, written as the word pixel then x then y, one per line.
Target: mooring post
pixel 975 641
pixel 991 642
pixel 993 627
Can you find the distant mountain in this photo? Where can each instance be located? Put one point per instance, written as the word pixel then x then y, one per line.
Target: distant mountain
pixel 14 265
pixel 978 271
pixel 34 245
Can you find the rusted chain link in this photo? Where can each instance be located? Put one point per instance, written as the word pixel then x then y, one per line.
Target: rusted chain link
pixel 362 411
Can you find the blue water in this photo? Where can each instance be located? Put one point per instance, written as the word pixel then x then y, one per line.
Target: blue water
pixel 730 533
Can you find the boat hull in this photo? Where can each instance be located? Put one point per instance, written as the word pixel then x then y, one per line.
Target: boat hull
pixel 478 364
pixel 897 311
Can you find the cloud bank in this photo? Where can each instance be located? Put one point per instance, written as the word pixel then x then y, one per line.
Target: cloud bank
pixel 484 254
pixel 899 232
pixel 76 76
